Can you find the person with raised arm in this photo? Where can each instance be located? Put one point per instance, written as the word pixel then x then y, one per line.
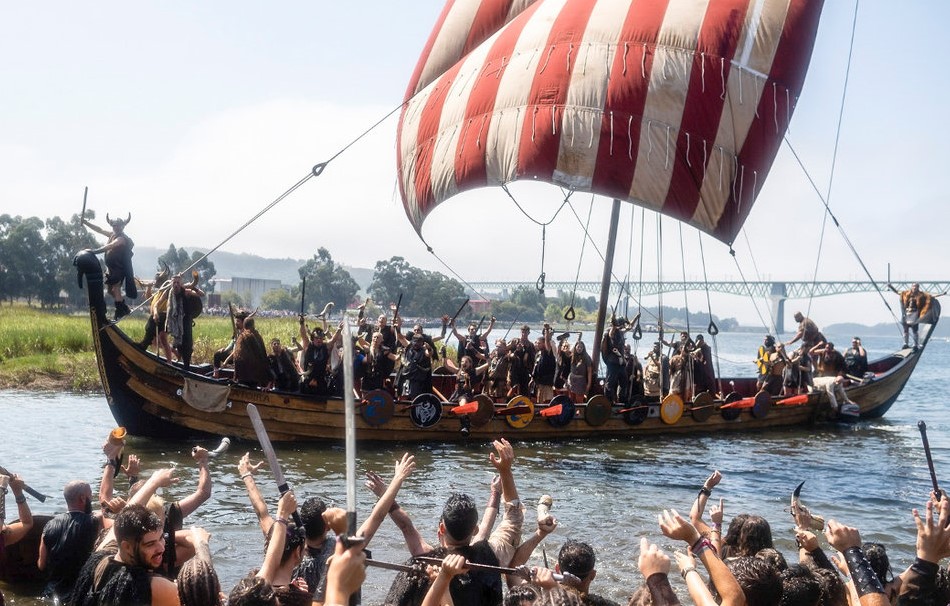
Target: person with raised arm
pixel 125 575
pixel 197 581
pixel 317 520
pixel 674 526
pixel 654 565
pixel 918 583
pixel 847 540
pixel 262 587
pixel 346 572
pixel 15 531
pixel 118 258
pixel 714 533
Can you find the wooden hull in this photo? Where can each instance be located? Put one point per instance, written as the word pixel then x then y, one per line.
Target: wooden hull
pixel 144 394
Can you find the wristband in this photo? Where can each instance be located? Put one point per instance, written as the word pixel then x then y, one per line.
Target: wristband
pixel 246 474
pixel 705 491
pixel 19 499
pixel 282 521
pixel 701 545
pixel 864 578
pixel 685 572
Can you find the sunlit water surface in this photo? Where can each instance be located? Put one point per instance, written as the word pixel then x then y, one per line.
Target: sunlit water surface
pixel 606 492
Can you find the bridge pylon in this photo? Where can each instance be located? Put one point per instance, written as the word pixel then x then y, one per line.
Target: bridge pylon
pixel 778 295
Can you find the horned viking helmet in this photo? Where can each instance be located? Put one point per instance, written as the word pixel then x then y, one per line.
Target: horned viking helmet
pixel 118 222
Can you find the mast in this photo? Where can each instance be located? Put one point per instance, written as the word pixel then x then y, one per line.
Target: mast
pixel 605 283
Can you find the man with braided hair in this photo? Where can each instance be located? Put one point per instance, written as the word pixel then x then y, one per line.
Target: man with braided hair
pixel 126 577
pixel 197 581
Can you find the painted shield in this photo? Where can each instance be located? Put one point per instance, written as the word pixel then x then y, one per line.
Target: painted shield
pixel 671 409
pixel 377 407
pixel 763 403
pixel 597 411
pixel 702 407
pixel 568 410
pixel 485 412
pixel 637 412
pixel 426 410
pixel 731 414
pixel 520 421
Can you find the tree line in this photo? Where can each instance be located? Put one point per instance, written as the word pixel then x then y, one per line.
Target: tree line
pixel 36 266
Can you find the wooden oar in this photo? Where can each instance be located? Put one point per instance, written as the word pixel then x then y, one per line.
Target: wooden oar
pixel 512 410
pixel 793 400
pixel 466 409
pixel 632 408
pixel 743 403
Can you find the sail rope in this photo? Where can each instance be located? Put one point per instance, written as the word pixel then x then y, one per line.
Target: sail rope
pixel 659 273
pixel 539 284
pixel 844 235
pixel 570 314
pixel 834 154
pixel 316 171
pixel 683 265
pixel 712 329
pixel 758 276
pixel 600 254
pixel 732 253
pixel 637 331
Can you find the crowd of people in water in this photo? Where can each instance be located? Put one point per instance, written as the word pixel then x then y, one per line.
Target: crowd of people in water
pixel 127 546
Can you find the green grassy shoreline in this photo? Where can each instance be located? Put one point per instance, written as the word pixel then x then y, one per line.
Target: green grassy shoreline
pixel 50 350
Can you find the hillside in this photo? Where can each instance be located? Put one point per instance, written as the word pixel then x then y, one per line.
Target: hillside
pixel 246 265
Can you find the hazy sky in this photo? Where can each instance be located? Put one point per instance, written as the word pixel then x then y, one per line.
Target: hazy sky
pixel 194 116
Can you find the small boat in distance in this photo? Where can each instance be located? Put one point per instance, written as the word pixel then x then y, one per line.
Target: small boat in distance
pixel 680 112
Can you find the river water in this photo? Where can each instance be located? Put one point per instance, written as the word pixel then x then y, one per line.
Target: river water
pixel 607 492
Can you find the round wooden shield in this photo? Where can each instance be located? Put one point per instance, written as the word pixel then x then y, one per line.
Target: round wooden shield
pixel 671 409
pixel 597 411
pixel 702 407
pixel 426 410
pixel 731 414
pixel 763 403
pixel 520 421
pixel 485 412
pixel 568 411
pixel 441 370
pixel 378 407
pixel 637 412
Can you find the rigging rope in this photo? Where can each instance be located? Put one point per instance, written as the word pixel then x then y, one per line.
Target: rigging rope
pixel 712 329
pixel 659 271
pixel 683 264
pixel 570 314
pixel 539 284
pixel 844 235
pixel 834 154
pixel 637 332
pixel 758 276
pixel 745 283
pixel 316 171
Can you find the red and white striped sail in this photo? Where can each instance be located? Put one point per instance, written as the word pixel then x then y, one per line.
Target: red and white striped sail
pixel 676 105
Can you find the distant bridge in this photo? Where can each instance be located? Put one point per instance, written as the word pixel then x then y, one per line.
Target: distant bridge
pixel 777 292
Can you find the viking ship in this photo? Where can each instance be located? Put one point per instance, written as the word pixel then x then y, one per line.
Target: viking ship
pixel 678 107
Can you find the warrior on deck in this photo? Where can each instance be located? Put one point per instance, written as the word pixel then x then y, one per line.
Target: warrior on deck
pixel 915 304
pixel 807 331
pixel 118 257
